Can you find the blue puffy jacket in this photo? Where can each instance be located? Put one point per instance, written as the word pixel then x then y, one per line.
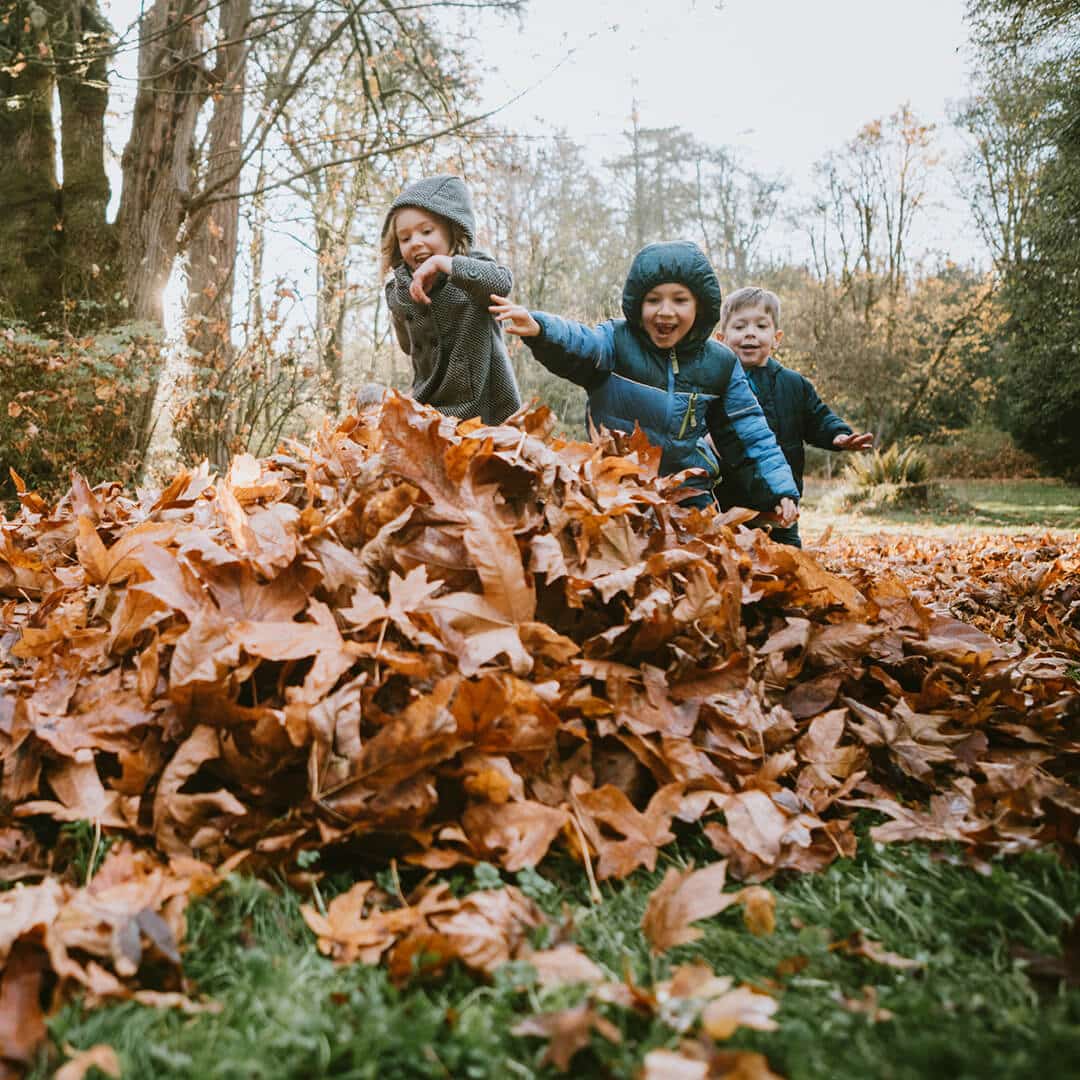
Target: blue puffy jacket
pixel 677 397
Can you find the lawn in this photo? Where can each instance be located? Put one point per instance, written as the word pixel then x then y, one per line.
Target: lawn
pixel 971 1008
pixel 998 506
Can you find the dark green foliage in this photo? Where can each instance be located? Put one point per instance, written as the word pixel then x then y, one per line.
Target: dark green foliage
pixel 1042 386
pixel 1040 392
pixel 288 1012
pixel 75 403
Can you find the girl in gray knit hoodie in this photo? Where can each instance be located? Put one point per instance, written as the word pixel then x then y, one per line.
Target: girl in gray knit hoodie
pixel 438 300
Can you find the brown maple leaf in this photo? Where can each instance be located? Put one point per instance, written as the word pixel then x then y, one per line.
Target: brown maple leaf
pixel 607 810
pixel 568 1031
pixel 683 898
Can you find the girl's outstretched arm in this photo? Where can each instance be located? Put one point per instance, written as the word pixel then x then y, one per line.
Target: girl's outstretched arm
pixel 568 349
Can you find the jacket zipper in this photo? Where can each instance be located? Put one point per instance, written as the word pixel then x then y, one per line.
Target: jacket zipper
pixel 688 416
pixel 674 362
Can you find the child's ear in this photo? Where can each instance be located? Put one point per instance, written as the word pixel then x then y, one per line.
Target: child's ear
pixel 718 335
pixel 778 337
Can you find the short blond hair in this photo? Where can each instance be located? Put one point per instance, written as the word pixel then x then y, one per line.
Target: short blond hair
pixel 390 253
pixel 750 296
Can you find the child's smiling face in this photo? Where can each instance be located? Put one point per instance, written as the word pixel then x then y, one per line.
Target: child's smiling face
pixel 420 235
pixel 667 314
pixel 751 335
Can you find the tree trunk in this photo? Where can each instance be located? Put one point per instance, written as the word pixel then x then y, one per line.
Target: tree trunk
pixel 332 303
pixel 157 161
pixel 214 231
pixel 29 193
pixel 90 271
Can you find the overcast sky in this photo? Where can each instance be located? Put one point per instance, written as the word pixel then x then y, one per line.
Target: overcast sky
pixel 782 81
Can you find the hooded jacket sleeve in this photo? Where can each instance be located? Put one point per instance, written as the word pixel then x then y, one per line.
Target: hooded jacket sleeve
pixel 571 350
pixel 822 425
pixel 480 276
pixel 747 447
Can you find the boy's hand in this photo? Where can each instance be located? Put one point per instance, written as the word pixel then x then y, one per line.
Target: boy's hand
pixel 787 513
pixel 854 441
pixel 424 277
pixel 513 318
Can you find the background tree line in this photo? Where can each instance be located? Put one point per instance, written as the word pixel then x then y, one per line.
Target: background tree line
pixel 255 119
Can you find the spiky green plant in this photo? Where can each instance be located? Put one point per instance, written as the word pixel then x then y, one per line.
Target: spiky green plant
pixel 891 466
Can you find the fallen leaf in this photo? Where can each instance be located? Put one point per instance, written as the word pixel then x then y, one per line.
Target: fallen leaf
pixel 101 1057
pixel 568 1031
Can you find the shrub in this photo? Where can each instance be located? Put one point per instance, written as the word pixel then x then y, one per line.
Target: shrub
pixel 245 397
pixel 891 466
pixel 980 453
pixel 871 498
pixel 76 403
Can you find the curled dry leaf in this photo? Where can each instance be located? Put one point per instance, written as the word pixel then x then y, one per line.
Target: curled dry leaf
pixel 742 1007
pixel 565 964
pixel 858 944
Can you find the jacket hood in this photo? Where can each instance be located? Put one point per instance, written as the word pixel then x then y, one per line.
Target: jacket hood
pixel 444 195
pixel 679 261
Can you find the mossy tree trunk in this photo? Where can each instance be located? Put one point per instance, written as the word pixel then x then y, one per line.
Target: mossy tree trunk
pixel 29 187
pixel 90 273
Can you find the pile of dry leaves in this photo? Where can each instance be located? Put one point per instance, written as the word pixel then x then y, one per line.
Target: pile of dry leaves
pixel 451 643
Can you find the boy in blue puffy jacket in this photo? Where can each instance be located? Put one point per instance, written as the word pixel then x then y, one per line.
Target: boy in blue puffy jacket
pixel 660 368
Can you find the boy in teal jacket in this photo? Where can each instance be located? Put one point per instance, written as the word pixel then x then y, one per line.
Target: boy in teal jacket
pixel 750 326
pixel 659 368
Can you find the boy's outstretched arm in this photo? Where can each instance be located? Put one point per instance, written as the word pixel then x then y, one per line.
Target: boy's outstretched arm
pixel 568 349
pixel 855 441
pixel 749 450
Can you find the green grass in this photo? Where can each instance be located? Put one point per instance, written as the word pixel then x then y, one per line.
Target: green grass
pixel 970 1011
pixel 977 506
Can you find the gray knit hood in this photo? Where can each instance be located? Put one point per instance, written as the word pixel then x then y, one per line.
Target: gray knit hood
pixel 444 195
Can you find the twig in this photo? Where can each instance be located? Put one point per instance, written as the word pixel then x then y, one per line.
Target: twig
pixel 594 890
pixel 93 852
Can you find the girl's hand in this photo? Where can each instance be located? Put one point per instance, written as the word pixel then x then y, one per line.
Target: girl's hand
pixel 787 513
pixel 513 318
pixel 854 441
pixel 424 277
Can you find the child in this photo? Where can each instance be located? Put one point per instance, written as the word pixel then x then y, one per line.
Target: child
pixel 658 367
pixel 438 299
pixel 749 325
